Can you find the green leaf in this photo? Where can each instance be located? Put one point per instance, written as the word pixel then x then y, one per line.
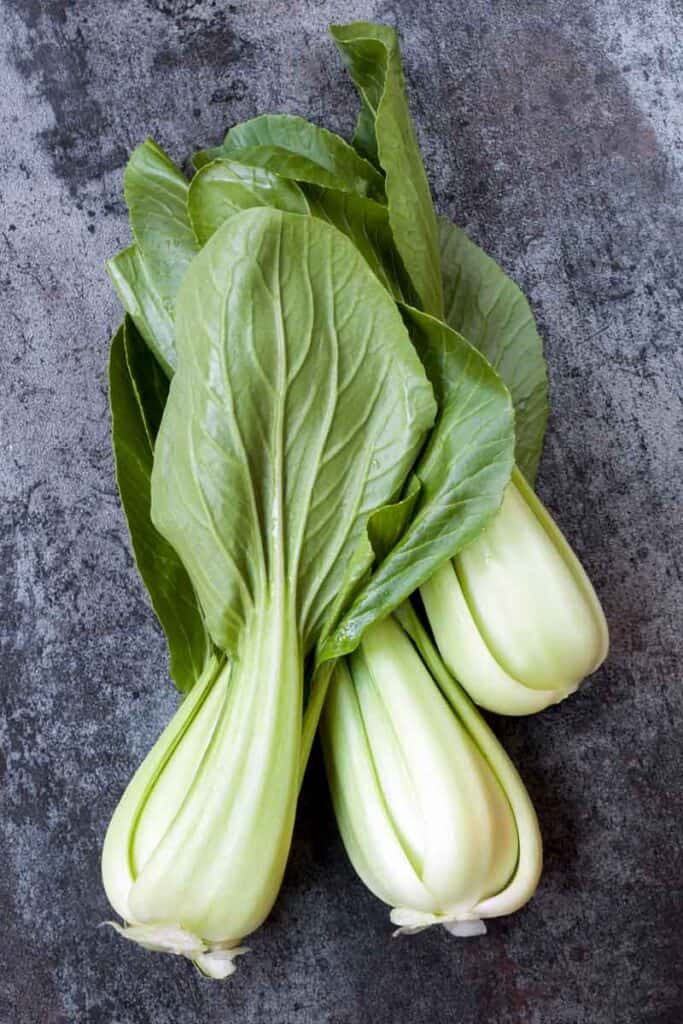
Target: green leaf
pixel 156 193
pixel 142 302
pixel 224 187
pixel 137 393
pixel 371 54
pixel 297 149
pixel 366 224
pixel 462 474
pixel 364 139
pixel 298 407
pixel 388 524
pixel 488 308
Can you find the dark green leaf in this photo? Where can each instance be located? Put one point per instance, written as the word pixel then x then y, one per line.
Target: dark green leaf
pixel 137 392
pixel 364 139
pixel 488 308
pixel 462 475
pixel 372 56
pixel 366 224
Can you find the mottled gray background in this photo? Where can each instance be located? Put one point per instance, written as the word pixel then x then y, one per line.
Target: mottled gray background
pixel 552 131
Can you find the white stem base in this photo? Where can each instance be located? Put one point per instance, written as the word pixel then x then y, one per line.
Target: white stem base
pixel 214 959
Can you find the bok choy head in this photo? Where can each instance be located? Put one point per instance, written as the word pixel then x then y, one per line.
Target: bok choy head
pixel 298 406
pixel 514 614
pixel 433 815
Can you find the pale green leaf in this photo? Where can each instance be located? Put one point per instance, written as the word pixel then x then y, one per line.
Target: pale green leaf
pixel 156 193
pixel 140 299
pixel 224 187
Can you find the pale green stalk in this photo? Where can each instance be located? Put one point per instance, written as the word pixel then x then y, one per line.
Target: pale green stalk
pixel 200 839
pixel 514 614
pixel 433 815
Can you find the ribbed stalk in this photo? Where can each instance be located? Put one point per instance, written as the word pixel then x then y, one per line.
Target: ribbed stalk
pixel 201 836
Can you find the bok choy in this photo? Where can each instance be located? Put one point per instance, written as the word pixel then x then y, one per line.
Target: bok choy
pixel 319 394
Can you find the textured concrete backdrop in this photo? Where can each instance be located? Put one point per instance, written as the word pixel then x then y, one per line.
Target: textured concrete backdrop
pixel 552 131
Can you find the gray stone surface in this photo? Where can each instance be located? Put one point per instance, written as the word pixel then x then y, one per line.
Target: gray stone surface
pixel 552 131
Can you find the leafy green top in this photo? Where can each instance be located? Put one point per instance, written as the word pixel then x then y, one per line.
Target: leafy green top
pixel 372 56
pixel 298 407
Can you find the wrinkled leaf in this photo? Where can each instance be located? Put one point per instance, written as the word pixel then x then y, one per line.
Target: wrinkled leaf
pixel 462 474
pixel 488 308
pixel 298 407
pixel 137 393
pixel 297 149
pixel 371 54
